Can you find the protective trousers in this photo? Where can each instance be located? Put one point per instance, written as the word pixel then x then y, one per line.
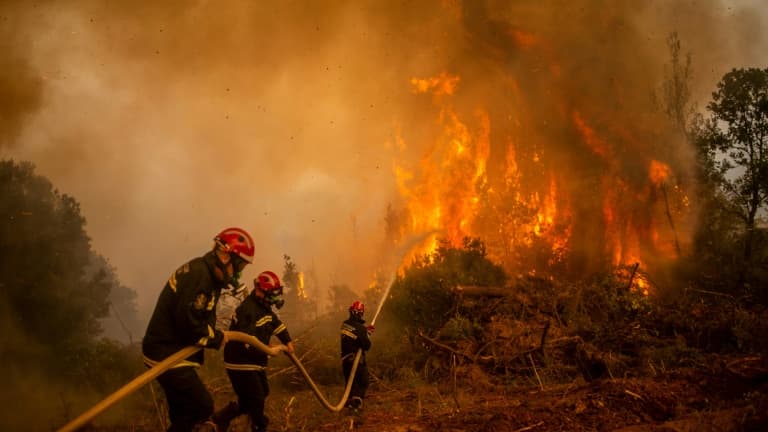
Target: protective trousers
pixel 188 400
pixel 252 390
pixel 360 384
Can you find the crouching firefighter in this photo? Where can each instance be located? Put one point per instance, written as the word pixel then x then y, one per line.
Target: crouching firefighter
pixel 246 365
pixel 354 337
pixel 185 314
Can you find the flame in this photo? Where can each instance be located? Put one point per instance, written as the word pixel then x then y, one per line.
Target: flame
pixel 300 292
pixel 641 284
pixel 441 193
pixel 525 213
pixel 440 85
pixel 598 145
pixel 658 172
pixel 548 209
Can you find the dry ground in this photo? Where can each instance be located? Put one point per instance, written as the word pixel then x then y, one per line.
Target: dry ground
pixel 685 400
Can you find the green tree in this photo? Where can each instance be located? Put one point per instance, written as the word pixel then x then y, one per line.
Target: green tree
pixel 300 308
pixel 123 323
pixel 423 298
pixel 340 297
pixel 735 146
pixel 716 250
pixel 290 274
pixel 53 297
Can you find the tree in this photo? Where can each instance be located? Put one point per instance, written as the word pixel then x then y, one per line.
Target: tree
pixel 736 146
pixel 299 308
pixel 290 274
pixel 52 296
pixel 423 298
pixel 340 297
pixel 676 91
pixel 123 322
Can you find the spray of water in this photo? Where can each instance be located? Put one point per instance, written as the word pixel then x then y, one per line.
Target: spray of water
pixel 399 255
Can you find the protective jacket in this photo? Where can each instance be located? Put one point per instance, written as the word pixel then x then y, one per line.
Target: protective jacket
pixel 258 320
pixel 185 313
pixel 354 336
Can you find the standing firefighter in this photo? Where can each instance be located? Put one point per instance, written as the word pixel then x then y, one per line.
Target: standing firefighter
pixel 246 365
pixel 354 337
pixel 185 314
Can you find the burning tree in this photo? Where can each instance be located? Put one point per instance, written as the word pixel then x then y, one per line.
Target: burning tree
pixel 300 307
pixel 585 193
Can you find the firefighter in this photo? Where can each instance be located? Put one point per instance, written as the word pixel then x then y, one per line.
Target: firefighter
pixel 246 365
pixel 355 336
pixel 185 314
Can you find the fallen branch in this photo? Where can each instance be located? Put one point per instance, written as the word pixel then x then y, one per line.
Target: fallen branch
pixel 527 428
pixel 482 348
pixel 634 395
pixel 711 293
pixel 287 411
pixel 566 340
pixel 483 291
pixel 536 372
pixel 446 347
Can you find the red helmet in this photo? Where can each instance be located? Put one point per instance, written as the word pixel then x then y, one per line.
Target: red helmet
pixel 357 308
pixel 267 281
pixel 236 241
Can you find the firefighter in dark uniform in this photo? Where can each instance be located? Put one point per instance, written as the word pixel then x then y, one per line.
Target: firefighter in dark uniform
pixel 246 365
pixel 354 337
pixel 185 314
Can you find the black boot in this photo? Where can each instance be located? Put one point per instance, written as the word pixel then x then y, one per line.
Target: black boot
pixel 224 416
pixel 356 402
pixel 261 425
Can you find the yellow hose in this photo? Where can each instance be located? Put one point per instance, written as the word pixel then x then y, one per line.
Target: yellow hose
pixel 180 355
pixel 273 351
pixel 129 388
pixel 169 362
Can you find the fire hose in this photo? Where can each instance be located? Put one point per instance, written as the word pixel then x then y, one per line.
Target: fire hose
pixel 180 355
pixel 338 407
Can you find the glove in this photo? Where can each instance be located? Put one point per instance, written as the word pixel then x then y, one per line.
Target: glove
pixel 370 329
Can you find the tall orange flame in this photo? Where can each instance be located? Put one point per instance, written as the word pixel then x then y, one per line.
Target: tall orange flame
pixel 527 210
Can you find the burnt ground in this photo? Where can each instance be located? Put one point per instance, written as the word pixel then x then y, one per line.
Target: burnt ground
pixel 729 396
pixel 522 374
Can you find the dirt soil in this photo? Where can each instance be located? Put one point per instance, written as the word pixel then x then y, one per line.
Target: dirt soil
pixel 685 400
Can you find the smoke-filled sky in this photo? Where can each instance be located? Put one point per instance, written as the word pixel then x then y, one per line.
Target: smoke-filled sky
pixel 169 121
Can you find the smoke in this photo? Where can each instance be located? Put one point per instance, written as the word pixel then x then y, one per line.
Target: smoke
pixel 169 121
pixel 20 86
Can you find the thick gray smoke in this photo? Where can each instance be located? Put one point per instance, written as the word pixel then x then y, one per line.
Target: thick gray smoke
pixel 169 121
